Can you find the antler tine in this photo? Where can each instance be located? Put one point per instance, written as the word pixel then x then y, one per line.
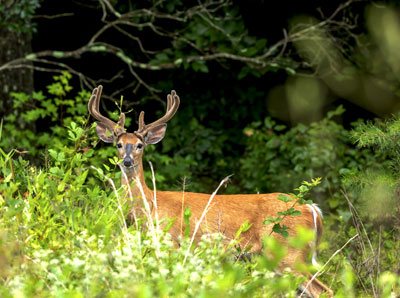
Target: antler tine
pixel 94 110
pixel 173 102
pixel 172 106
pixel 94 105
pixel 141 121
pixel 169 100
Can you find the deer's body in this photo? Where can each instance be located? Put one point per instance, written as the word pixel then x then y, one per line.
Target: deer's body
pixel 228 212
pixel 225 215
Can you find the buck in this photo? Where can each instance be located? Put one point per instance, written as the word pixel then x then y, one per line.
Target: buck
pixel 225 215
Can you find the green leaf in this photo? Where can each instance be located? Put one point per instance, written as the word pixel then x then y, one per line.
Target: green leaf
pixel 162 58
pixel 243 228
pixel 280 127
pixel 178 61
pixel 57 172
pixel 71 135
pixel 285 198
pixel 203 68
pixel 8 178
pixel 282 230
pixel 187 215
pixel 53 153
pixel 296 213
pixel 243 72
pixel 303 188
pixel 260 44
pixel 38 96
pixel 273 220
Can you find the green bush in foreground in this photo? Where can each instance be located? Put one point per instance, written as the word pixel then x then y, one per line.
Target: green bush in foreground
pixel 63 230
pixel 63 234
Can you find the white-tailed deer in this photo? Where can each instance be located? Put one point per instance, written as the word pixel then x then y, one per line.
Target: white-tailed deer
pixel 225 215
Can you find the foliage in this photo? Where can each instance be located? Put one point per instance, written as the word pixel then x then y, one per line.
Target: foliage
pixel 278 158
pixel 291 201
pixel 382 136
pixel 61 236
pixel 372 194
pixel 64 234
pixel 378 186
pixel 57 111
pixel 16 15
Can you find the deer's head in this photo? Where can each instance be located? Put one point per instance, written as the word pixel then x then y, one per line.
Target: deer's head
pixel 130 146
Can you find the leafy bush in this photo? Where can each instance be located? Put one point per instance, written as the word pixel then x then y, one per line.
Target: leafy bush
pixel 64 234
pixel 58 109
pixel 17 16
pixel 277 158
pixel 378 185
pixel 63 230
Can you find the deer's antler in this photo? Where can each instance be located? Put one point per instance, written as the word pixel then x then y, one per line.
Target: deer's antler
pixel 172 106
pixel 94 103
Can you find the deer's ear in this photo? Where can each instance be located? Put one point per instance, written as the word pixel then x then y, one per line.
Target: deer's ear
pixel 155 134
pixel 103 133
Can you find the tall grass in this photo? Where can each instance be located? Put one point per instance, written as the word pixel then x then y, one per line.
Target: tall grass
pixel 63 233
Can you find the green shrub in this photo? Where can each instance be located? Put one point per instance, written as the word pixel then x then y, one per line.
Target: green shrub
pixel 62 235
pixel 63 230
pixel 278 158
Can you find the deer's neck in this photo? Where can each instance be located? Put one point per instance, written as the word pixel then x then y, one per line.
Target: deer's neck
pixel 137 185
pixel 134 193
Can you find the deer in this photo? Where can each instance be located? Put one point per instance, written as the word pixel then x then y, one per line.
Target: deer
pixel 225 215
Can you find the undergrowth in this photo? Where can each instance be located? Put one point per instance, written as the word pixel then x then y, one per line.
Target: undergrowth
pixel 63 236
pixel 63 231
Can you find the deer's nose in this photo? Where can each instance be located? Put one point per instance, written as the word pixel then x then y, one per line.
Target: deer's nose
pixel 128 162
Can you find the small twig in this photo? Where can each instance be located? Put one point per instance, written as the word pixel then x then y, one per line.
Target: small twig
pixel 137 39
pixel 130 197
pixel 110 7
pixel 149 218
pixel 60 15
pixel 21 152
pixel 364 230
pixel 319 271
pixel 155 197
pixel 133 72
pixel 183 204
pixel 12 169
pixel 103 8
pixel 378 271
pixel 224 181
pixel 353 209
pixel 116 76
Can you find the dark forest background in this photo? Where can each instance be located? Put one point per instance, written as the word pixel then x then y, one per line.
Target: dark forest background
pixel 274 92
pixel 233 64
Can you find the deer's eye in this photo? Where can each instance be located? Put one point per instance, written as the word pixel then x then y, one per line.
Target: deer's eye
pixel 139 146
pixel 119 145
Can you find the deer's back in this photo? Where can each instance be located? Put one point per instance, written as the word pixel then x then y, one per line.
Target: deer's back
pixel 227 213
